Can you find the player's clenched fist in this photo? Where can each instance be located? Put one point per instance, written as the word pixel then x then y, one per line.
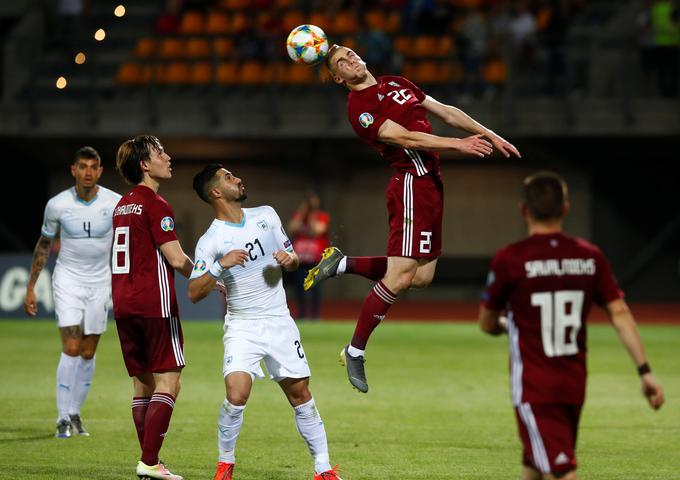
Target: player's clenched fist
pixel 234 257
pixel 285 259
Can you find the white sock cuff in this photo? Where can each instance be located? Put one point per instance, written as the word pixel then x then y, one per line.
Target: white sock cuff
pixel 232 410
pixel 69 360
pixel 342 266
pixel 306 409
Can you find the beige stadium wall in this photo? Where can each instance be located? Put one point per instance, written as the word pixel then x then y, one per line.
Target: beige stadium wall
pixel 481 212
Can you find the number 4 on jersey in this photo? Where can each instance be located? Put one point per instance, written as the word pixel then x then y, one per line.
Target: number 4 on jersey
pixel 560 320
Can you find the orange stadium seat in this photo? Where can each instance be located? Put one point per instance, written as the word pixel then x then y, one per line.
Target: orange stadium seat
pixel 146 47
pixel 431 46
pixel 197 48
pixel 239 22
pixel 495 71
pixel 322 21
pixel 375 19
pixel 174 73
pixel 344 23
pixel 350 42
pixel 292 19
pixel 132 73
pixel 393 22
pixel 218 23
pixel 227 73
pixel 255 73
pixel 234 4
pixel 171 48
pixel 404 45
pixel 223 47
pixel 201 73
pixel 299 75
pixel 192 23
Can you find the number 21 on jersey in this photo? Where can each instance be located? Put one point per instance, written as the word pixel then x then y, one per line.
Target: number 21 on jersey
pixel 560 320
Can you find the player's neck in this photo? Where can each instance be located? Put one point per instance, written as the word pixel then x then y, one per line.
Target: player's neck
pixel 87 194
pixel 150 182
pixel 369 81
pixel 229 212
pixel 545 228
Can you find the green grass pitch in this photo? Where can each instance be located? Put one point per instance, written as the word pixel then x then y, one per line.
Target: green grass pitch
pixel 438 408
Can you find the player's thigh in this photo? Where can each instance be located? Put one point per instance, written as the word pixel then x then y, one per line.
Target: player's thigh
pixel 424 273
pixel 548 433
pixel 286 356
pixel 96 312
pixel 400 272
pixel 244 347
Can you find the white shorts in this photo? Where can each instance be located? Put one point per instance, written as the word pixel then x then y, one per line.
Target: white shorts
pixel 87 307
pixel 275 340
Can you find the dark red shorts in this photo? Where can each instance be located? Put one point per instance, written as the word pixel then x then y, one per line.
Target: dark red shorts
pixel 151 344
pixel 415 206
pixel 548 432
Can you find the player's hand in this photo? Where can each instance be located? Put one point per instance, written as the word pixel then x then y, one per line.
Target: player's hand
pixel 475 145
pixel 235 257
pixel 503 146
pixel 30 303
pixel 652 390
pixel 284 259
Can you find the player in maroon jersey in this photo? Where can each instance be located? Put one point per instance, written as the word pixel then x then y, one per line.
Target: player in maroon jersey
pixel 546 285
pixel 145 255
pixel 390 114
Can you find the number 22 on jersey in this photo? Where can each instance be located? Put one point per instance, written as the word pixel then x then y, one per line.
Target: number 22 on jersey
pixel 560 320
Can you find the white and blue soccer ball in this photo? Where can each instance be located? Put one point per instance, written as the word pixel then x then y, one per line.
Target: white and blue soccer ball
pixel 307 44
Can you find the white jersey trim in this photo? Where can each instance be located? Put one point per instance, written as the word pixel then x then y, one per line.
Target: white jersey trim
pixel 407 236
pixel 516 365
pixel 537 446
pixel 163 285
pixel 414 155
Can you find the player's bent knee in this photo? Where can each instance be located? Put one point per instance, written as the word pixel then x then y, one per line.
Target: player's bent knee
pixel 237 399
pixel 420 282
pixel 72 350
pixel 87 354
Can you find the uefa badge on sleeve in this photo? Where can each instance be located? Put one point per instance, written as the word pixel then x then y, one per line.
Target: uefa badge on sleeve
pixel 365 119
pixel 199 266
pixel 167 224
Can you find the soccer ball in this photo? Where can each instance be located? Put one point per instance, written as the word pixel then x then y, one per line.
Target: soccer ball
pixel 307 44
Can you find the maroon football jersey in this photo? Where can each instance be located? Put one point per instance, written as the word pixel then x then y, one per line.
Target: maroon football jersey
pixel 143 281
pixel 399 100
pixel 547 284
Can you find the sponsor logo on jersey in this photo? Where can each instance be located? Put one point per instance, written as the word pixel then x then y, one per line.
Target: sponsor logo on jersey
pixel 263 225
pixel 167 224
pixel 365 119
pixel 394 84
pixel 199 266
pixel 381 96
pixel 561 459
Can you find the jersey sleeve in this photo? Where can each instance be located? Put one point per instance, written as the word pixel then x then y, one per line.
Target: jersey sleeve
pixel 366 118
pixel 497 291
pixel 204 257
pixel 162 222
pixel 279 232
pixel 606 287
pixel 420 95
pixel 50 225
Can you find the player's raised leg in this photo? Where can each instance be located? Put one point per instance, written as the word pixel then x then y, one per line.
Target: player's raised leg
pixel 229 421
pixel 334 263
pixel 310 425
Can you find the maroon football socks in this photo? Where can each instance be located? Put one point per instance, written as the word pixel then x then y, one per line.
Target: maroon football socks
pixel 375 306
pixel 139 408
pixel 156 426
pixel 373 268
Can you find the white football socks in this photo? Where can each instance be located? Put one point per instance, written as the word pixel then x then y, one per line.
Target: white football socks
pixel 66 374
pixel 311 429
pixel 81 384
pixel 342 266
pixel 229 423
pixel 355 352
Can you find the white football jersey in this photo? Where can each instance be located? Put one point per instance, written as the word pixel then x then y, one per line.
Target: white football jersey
pixel 254 290
pixel 85 229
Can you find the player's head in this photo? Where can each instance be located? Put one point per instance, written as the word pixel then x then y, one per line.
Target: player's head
pixel 142 155
pixel 216 182
pixel 345 66
pixel 545 197
pixel 86 167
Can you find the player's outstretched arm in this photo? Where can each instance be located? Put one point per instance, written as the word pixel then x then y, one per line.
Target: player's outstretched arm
pixel 40 255
pixel 288 261
pixel 459 119
pixel 393 133
pixel 173 253
pixel 490 321
pixel 622 319
pixel 200 287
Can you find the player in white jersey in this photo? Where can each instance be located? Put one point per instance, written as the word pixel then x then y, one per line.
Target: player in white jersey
pixel 246 248
pixel 81 282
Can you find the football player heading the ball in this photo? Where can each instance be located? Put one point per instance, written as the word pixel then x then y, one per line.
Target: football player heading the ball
pixel 547 284
pixel 390 114
pixel 246 248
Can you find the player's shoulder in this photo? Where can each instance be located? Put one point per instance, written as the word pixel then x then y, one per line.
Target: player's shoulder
pixel 261 211
pixel 584 244
pixel 108 194
pixel 62 198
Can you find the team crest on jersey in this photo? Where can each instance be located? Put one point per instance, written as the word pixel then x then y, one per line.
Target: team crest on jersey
pixel 365 119
pixel 104 212
pixel 199 266
pixel 167 224
pixel 263 225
